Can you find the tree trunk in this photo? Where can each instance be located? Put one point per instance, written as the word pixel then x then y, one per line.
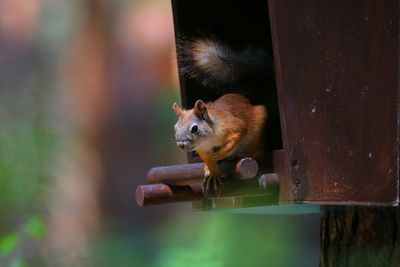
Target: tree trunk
pixel 359 236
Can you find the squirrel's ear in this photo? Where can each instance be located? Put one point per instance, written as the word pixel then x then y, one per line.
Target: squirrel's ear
pixel 200 108
pixel 177 109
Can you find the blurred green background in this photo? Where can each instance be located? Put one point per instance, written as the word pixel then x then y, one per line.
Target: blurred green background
pixel 86 88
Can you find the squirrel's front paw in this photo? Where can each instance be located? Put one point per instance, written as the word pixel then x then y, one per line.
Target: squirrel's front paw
pixel 212 178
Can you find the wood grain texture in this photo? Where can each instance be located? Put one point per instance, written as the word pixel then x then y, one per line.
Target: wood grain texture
pixel 337 65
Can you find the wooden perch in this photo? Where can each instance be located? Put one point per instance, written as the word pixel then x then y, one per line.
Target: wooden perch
pixel 154 194
pixel 180 183
pixel 185 174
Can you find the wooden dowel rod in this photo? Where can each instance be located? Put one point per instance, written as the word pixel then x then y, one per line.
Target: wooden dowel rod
pixel 162 194
pixel 246 168
pixel 268 180
pixel 185 174
pixel 176 174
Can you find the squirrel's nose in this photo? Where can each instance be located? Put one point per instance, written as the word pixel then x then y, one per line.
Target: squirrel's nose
pixel 181 145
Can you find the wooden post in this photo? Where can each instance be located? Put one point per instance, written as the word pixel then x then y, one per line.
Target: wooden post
pixel 359 236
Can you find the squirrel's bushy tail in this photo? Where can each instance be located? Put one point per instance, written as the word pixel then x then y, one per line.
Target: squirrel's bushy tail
pixel 215 64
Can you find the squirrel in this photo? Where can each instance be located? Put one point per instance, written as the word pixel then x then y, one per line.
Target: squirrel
pixel 228 127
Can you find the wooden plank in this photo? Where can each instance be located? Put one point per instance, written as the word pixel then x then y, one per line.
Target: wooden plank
pixel 336 65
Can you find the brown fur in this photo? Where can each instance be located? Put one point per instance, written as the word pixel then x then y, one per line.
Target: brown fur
pixel 236 129
pixel 236 120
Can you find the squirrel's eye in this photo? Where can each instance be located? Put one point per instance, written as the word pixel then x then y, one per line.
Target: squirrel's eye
pixel 194 129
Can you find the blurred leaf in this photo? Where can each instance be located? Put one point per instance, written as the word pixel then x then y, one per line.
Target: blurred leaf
pixel 25 158
pixel 9 243
pixel 35 227
pixel 18 262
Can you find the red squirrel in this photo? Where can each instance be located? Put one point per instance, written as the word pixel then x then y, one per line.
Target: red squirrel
pixel 230 126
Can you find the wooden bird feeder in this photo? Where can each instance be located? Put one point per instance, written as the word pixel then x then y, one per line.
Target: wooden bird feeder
pixel 332 93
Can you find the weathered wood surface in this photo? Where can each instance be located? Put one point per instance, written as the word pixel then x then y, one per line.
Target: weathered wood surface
pixel 337 64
